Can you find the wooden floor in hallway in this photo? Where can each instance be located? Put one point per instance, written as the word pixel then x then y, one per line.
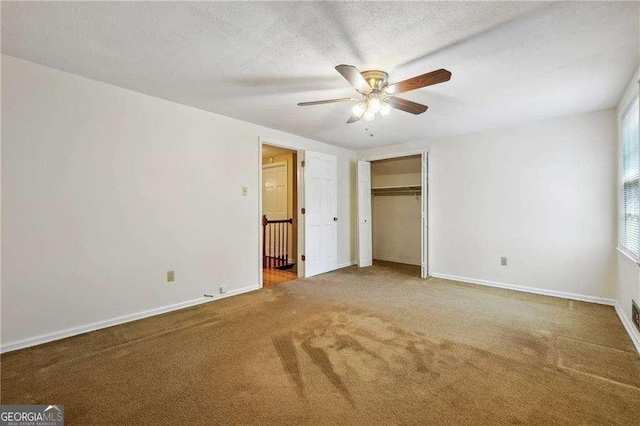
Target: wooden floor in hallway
pixel 271 277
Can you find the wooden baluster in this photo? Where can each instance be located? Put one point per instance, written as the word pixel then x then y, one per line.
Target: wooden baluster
pixel 264 241
pixel 280 244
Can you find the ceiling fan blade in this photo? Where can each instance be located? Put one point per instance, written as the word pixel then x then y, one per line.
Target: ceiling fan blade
pixel 354 118
pixel 406 106
pixel 424 80
pixel 353 76
pixel 328 101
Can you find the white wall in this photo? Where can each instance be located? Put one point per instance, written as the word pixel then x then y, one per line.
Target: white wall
pixel 542 193
pixel 105 189
pixel 396 221
pixel 628 274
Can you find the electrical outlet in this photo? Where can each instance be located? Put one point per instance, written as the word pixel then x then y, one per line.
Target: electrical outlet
pixel 223 290
pixel 171 276
pixel 245 191
pixel 503 261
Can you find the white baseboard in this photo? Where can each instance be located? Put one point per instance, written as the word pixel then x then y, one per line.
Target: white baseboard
pixel 74 331
pixel 346 264
pixel 629 327
pixel 394 260
pixel 542 291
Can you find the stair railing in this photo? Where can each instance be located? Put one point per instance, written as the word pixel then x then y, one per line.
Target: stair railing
pixel 275 242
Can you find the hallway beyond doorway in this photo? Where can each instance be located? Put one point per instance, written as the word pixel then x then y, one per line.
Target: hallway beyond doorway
pixel 271 277
pixel 279 215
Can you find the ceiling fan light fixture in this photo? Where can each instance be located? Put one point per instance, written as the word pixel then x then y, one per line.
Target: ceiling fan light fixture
pixel 385 109
pixel 369 116
pixel 359 109
pixel 374 104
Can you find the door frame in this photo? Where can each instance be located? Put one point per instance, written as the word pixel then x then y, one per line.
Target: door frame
pixel 300 194
pixel 426 229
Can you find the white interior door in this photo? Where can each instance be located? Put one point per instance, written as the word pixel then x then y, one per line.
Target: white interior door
pixel 274 191
pixel 425 216
pixel 321 213
pixel 274 199
pixel 365 252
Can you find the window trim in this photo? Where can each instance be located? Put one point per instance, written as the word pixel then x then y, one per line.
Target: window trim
pixel 621 248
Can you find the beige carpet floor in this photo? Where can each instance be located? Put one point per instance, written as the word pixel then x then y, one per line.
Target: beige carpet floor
pixel 356 346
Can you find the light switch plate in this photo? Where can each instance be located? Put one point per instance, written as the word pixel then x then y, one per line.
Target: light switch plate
pixel 245 191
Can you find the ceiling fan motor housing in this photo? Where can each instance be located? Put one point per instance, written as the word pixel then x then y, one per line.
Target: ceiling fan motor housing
pixel 376 79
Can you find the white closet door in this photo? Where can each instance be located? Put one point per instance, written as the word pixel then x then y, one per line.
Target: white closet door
pixel 321 213
pixel 365 252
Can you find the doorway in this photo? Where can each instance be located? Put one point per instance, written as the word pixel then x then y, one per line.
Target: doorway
pixel 393 204
pixel 310 227
pixel 279 215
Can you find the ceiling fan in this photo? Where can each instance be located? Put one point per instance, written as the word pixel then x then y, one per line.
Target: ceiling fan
pixel 378 96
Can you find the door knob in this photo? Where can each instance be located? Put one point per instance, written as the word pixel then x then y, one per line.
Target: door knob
pixel 335 219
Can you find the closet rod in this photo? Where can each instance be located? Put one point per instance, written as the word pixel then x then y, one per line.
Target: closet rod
pixel 378 193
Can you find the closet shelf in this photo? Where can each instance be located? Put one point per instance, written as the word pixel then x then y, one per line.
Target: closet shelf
pixel 389 190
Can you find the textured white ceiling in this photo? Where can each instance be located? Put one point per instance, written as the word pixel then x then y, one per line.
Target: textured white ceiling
pixel 511 61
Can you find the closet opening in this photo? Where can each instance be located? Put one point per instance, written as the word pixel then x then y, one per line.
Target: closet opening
pixel 396 207
pixel 392 213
